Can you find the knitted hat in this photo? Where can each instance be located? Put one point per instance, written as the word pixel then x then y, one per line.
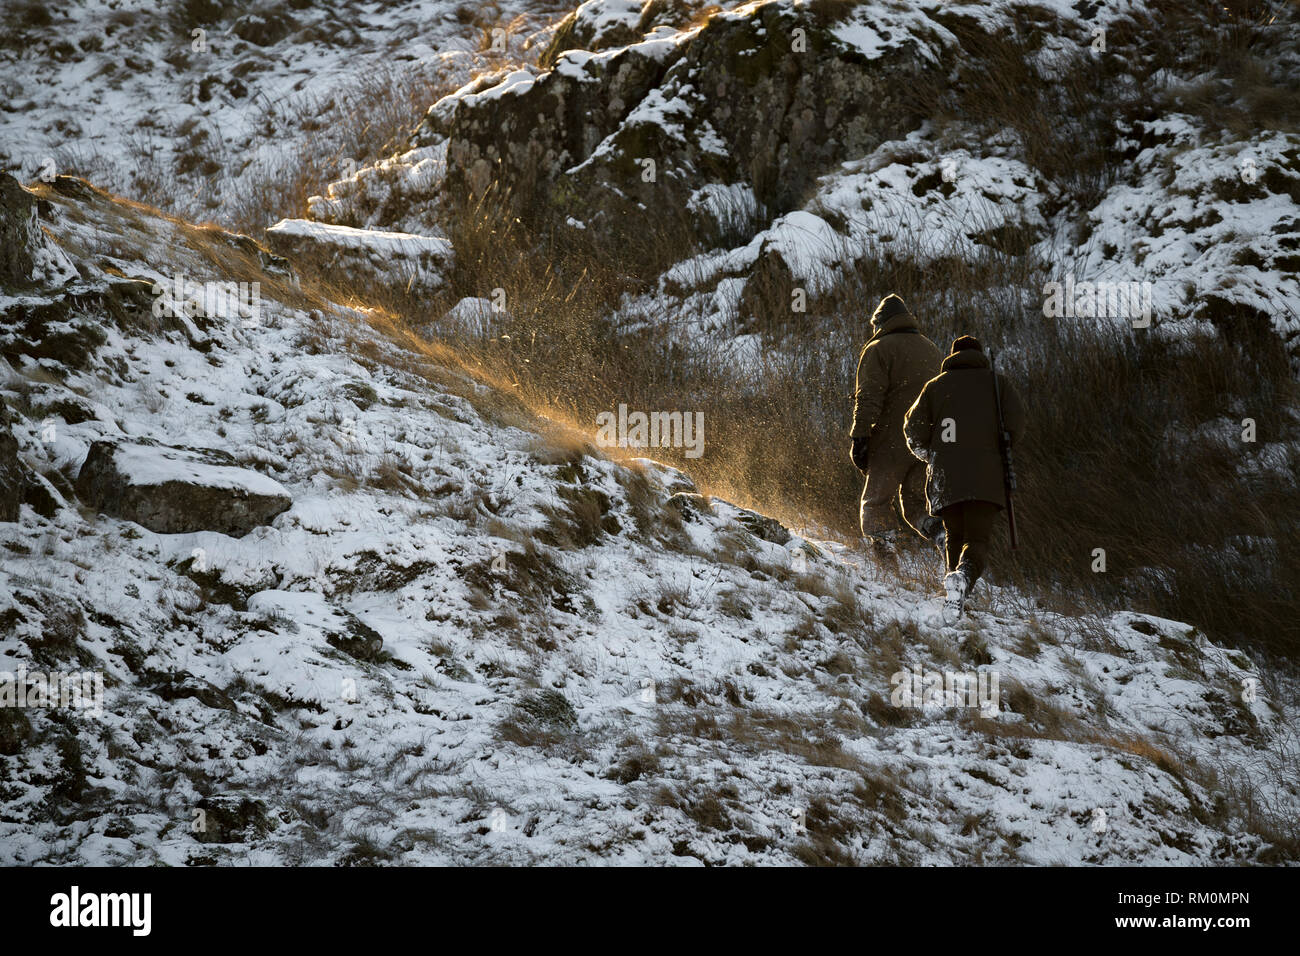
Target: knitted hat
pixel 890 306
pixel 966 342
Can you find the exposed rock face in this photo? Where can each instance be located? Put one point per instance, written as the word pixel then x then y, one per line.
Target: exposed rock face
pixel 12 473
pixel 183 686
pixel 17 210
pixel 365 255
pixel 577 141
pixel 27 256
pixel 525 131
pixel 231 818
pixel 174 491
pixel 18 484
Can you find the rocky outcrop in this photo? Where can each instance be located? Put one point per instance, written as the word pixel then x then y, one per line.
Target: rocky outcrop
pixel 364 255
pixel 598 25
pixel 625 137
pixel 12 474
pixel 524 131
pixel 185 686
pixel 175 491
pixel 17 210
pixel 19 485
pixel 231 818
pixel 27 256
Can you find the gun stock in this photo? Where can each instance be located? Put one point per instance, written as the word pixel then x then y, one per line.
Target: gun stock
pixel 1008 464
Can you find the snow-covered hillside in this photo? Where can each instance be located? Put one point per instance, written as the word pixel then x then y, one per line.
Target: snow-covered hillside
pixel 197 103
pixel 844 168
pixel 473 638
pixel 313 584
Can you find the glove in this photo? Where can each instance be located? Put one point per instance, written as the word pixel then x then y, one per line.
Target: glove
pixel 859 453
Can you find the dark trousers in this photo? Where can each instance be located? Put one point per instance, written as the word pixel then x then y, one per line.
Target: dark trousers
pixel 968 526
pixel 894 493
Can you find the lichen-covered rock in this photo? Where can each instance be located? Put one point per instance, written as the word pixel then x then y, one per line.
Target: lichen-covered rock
pixel 175 491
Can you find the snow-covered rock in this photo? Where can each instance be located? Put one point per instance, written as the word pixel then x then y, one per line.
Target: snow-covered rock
pixel 473 316
pixel 175 491
pixel 419 263
pixel 27 257
pixel 687 101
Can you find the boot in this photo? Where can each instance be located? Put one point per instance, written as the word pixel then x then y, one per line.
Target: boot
pixel 955 587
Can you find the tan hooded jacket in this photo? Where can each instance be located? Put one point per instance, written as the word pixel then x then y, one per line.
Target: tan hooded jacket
pixel 892 369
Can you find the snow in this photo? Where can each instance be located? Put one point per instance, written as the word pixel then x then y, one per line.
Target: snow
pixel 1201 221
pixel 417 733
pixel 126 110
pixel 471 316
pixel 876 29
pixel 385 244
pixel 144 465
pixel 414 497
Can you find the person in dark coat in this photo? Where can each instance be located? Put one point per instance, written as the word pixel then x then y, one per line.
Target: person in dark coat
pixel 953 428
pixel 892 369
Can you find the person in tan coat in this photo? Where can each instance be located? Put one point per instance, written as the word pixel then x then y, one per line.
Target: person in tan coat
pixel 953 428
pixel 894 366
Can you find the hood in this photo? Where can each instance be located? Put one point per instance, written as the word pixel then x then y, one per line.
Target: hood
pixel 890 308
pixel 899 322
pixel 966 358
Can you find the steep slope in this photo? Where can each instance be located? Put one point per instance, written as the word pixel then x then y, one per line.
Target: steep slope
pixel 1109 194
pixel 472 637
pixel 204 103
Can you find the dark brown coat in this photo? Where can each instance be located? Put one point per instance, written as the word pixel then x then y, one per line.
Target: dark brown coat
pixel 953 428
pixel 892 369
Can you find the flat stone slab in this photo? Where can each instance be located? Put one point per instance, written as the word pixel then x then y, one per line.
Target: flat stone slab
pixel 176 491
pixel 365 254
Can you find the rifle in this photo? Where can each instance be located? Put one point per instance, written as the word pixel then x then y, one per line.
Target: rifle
pixel 1004 445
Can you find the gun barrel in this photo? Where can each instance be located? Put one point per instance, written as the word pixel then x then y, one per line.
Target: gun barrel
pixel 1004 441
